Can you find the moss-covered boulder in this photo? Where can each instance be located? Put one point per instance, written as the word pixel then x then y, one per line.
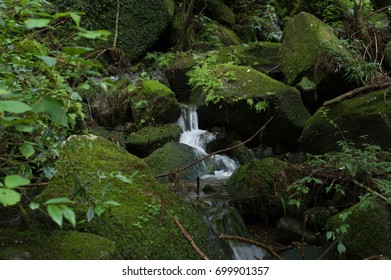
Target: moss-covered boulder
pixel 33 244
pixel 311 49
pixel 369 232
pixel 232 110
pixel 217 10
pixel 110 108
pixel 260 188
pixel 262 56
pixel 153 103
pixel 366 114
pixel 140 23
pixel 143 142
pixel 173 156
pixel 212 35
pixel 95 170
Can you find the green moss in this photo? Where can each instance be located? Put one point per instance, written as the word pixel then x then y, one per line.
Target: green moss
pixel 145 141
pixel 55 245
pixel 369 232
pixel 142 226
pixel 154 103
pixel 362 115
pixel 171 157
pixel 140 22
pixel 152 87
pixel 260 186
pixel 220 12
pixel 309 48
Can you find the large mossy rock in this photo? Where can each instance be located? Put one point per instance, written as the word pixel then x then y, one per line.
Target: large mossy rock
pixel 369 232
pixel 235 114
pixel 153 103
pixel 367 114
pixel 217 10
pixel 35 244
pixel 142 226
pixel 143 142
pixel 311 49
pixel 260 188
pixel 111 108
pixel 173 156
pixel 262 56
pixel 139 26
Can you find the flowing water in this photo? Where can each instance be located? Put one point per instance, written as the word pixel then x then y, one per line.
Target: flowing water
pixel 218 166
pixel 222 218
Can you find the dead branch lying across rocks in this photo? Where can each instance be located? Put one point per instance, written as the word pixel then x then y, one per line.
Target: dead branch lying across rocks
pixel 191 241
pixel 176 172
pixel 357 91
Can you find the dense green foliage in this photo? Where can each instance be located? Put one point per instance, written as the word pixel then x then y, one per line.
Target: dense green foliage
pixel 39 100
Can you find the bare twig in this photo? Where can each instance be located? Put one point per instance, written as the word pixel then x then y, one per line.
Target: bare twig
pixel 267 248
pixel 191 241
pixel 374 257
pixel 116 26
pixel 328 250
pixel 357 91
pixel 214 153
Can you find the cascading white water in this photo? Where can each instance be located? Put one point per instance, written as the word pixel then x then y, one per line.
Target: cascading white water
pixel 218 166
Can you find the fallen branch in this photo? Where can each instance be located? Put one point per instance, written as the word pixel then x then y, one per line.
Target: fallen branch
pixel 214 153
pixel 267 248
pixel 191 241
pixel 356 91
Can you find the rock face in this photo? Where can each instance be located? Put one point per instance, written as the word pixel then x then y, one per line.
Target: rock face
pixel 369 232
pixel 217 10
pixel 142 226
pixel 140 22
pixel 367 114
pixel 57 245
pixel 154 103
pixel 262 56
pixel 233 111
pixel 259 187
pixel 143 142
pixel 111 108
pixel 291 230
pixel 173 156
pixel 311 49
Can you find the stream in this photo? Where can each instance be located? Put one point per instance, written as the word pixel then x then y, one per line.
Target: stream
pixel 212 197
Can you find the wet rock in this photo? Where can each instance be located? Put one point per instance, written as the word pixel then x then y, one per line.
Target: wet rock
pixel 291 230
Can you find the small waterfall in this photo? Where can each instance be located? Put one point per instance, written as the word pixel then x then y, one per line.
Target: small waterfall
pixel 218 166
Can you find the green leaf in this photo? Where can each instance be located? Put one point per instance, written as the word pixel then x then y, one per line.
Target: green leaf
pixel 341 248
pixel 99 209
pixel 73 51
pixel 69 214
pixel 95 34
pixel 24 128
pixel 36 23
pixel 54 108
pixel 55 213
pixel 90 214
pixel 9 197
pixel 14 106
pixel 49 61
pixel 345 215
pixel 34 205
pixel 111 203
pixel 15 181
pixel 76 18
pixel 329 235
pixel 59 200
pixel 27 150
